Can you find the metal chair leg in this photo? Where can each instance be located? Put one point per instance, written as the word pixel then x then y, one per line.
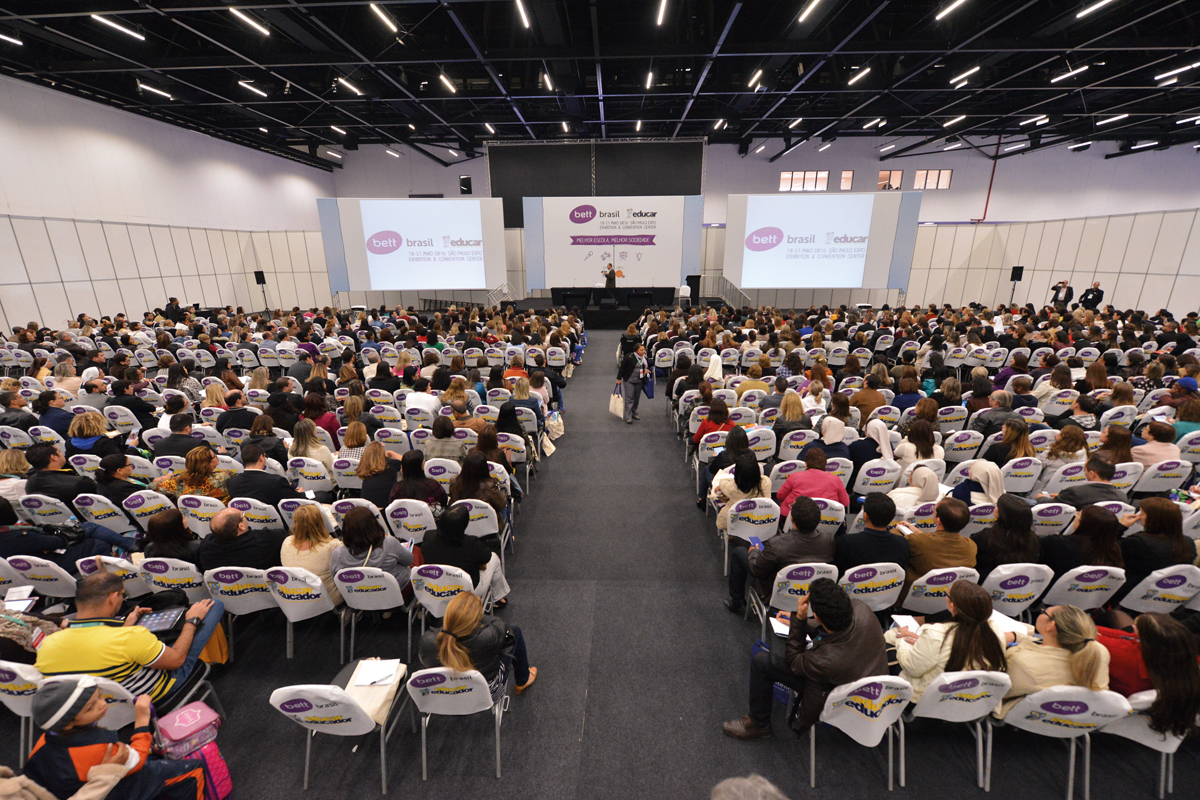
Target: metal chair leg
pixel 497 721
pixel 383 758
pixel 424 756
pixel 987 772
pixel 307 754
pixel 903 765
pixel 342 636
pixel 1071 771
pixel 978 754
pixel 889 741
pixel 230 618
pixel 291 650
pixel 1087 767
pixel 812 757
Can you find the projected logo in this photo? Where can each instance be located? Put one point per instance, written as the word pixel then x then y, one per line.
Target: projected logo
pixel 764 239
pixel 834 238
pixel 582 214
pixel 384 242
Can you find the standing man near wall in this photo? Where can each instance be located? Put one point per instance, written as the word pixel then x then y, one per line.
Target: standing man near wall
pixel 610 282
pixel 634 373
pixel 1062 293
pixel 1092 298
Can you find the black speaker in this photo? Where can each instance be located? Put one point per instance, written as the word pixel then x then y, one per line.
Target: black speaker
pixel 260 278
pixel 1017 272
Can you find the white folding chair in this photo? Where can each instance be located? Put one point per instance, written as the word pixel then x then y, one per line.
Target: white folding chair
pixel 409 519
pixel 198 513
pixel 18 684
pixel 762 443
pixel 309 474
pixel 966 697
pixel 983 516
pixel 342 507
pixel 370 589
pixel 301 595
pixel 878 584
pixel 1164 590
pixel 46 577
pixel 1163 476
pixel 444 692
pixel 161 574
pixel 287 510
pixel 1066 475
pixel 143 504
pixel 418 418
pixel 393 439
pixel 122 419
pixel 484 521
pixel 877 475
pixel 1069 712
pixel 1136 726
pixel 791 582
pixel 833 515
pixel 1020 474
pixel 135 586
pixel 258 515
pixel 434 586
pixel 793 443
pixel 442 470
pixel 242 590
pixel 756 516
pixel 928 593
pixel 99 510
pixel 1016 587
pixel 1085 587
pixel 864 710
pixel 45 510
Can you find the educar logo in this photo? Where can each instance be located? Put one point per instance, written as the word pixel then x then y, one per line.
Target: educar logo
pixel 384 242
pixel 833 238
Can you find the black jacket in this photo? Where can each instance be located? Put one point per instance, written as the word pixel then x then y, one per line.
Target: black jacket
pixel 178 444
pixel 868 547
pixel 18 418
pixel 489 641
pixel 63 484
pixel 254 549
pixel 235 418
pixel 1091 298
pixel 143 411
pixel 629 367
pixel 117 490
pixel 264 487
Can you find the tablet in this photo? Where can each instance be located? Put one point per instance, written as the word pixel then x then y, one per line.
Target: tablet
pixel 159 621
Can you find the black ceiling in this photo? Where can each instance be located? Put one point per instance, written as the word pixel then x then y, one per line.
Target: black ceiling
pixel 598 54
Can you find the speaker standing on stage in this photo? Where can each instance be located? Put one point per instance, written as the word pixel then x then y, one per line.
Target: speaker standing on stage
pixel 1092 298
pixel 634 373
pixel 610 281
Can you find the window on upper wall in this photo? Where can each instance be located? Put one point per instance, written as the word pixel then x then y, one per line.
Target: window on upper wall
pixel 847 179
pixel 809 181
pixel 890 180
pixel 932 179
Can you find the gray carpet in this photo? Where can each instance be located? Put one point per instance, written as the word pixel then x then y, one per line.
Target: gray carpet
pixel 617 586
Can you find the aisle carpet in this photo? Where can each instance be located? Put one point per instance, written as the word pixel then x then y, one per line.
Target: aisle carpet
pixel 617 586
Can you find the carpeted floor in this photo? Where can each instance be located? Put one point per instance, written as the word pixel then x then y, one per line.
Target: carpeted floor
pixel 617 586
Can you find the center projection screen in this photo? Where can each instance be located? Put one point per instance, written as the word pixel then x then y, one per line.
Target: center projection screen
pixel 821 241
pixel 413 244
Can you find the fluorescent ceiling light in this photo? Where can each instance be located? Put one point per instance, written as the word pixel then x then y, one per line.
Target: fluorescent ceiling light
pixel 793 147
pixel 1066 75
pixel 808 10
pixel 824 147
pixel 488 125
pixel 966 74
pixel 959 118
pixel 339 130
pixel 264 130
pixel 860 73
pixel 349 85
pixel 795 122
pixel 335 155
pixel 649 78
pixel 872 123
pixel 718 124
pixel 662 10
pixel 960 84
pixel 414 127
pixel 524 17
pixel 949 8
pixel 453 152
pixel 1189 119
pixel 760 148
pixel 638 127
pixel 953 146
pixel 1092 8
pixel 10 39
pixel 1080 144
pixel 566 127
pixel 754 79
pixel 1168 82
pixel 1176 71
pixel 1016 146
pixel 1034 119
pixel 549 85
pixel 250 22
pixel 1112 119
pixel 388 20
pixel 885 149
pixel 121 28
pixel 1140 146
pixel 1041 122
pixel 391 152
pixel 449 85
pixel 255 89
pixel 157 91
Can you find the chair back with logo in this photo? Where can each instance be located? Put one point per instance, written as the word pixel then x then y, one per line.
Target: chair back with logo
pixel 983 516
pixel 841 467
pixel 45 510
pixel 1135 726
pixel 781 471
pixel 135 586
pixel 442 470
pixel 242 590
pixel 258 515
pixel 198 513
pixel 928 593
pixel 1020 474
pixel 120 704
pixel 793 581
pixel 99 510
pixel 122 419
pixel 1085 587
pixel 325 709
pixel 878 584
pixel 877 475
pixel 393 439
pixel 435 585
pixel 441 690
pixel 161 574
pixel 866 708
pixel 46 577
pixel 756 516
pixel 309 474
pixel 342 507
pixel 762 443
pixel 1123 416
pixel 299 593
pixel 18 684
pixel 793 442
pixel 963 696
pixel 483 518
pixel 1016 587
pixel 142 505
pixel 488 414
pixel 962 446
pixel 410 519
pixel 1066 712
pixel 369 589
pixel 287 511
pixel 1164 590
pixel 1163 476
pixel 833 515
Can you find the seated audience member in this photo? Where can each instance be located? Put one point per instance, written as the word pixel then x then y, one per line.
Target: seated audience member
pixel 832 441
pixel 1116 445
pixel 1022 393
pixel 948 394
pixel 522 399
pixel 13 469
pixel 922 488
pixel 1014 443
pixel 745 480
pixel 1092 542
pixel 236 415
pixel 981 394
pixel 475 482
pixel 94 394
pixel 414 484
pixel 516 370
pixel 262 433
pixel 199 476
pixel 919 444
pixel 1187 418
pixel 305 444
pixel 65 378
pixel 1067 655
pixel 78 758
pixel 180 441
pixel 356 412
pixel 1010 540
pixel 1160 445
pixel 86 436
pixel 464 419
pixel 943 547
pixel 449 545
pixel 316 412
pixel 926 409
pixel 1158 545
pixel 999 412
pixel 354 442
pixel 283 410
pixel 775 398
pixel 1159 653
pixel 15 413
pixel 122 395
pixel 443 444
pixel 255 483
pixel 812 481
pixel 1097 488
pixel 1082 414
pixel 168 537
pixel 908 396
pixel 51 477
pixel 876 443
pixel 1069 447
pixel 234 544
pixel 801 543
pixel 791 417
pixel 378 469
pixel 968 641
pixel 984 485
pixel 868 398
pixel 366 544
pixel 97 642
pixel 18 538
pixel 737 442
pixel 847 644
pixel 310 547
pixel 876 543
pixel 52 414
pixel 753 382
pixel 422 398
pixel 472 640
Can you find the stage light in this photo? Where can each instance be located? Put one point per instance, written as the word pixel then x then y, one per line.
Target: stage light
pixel 488 125
pixel 524 17
pixel 339 130
pixel 1066 75
pixel 754 79
pixel 1092 8
pixel 808 10
pixel 966 74
pixel 959 118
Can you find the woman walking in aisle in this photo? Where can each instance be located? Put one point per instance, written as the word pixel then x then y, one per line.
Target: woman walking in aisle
pixel 634 373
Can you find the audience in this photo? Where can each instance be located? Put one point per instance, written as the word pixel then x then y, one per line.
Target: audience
pixel 472 640
pixel 1067 655
pixel 311 547
pixel 366 544
pixel 234 543
pixel 801 543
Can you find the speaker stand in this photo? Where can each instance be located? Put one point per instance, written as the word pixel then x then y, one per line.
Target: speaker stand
pixel 1012 294
pixel 266 305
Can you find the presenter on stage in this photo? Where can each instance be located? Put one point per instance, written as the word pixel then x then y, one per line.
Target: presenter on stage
pixel 610 282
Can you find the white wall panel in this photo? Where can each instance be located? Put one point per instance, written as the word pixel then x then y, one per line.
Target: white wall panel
pixel 1038 289
pixel 923 249
pixel 20 306
pixel 981 247
pixel 68 253
pixel 1171 242
pixel 216 249
pixel 182 239
pixel 164 250
pixel 81 297
pixel 36 251
pixel 260 245
pixel 1185 292
pixel 120 249
pixel 10 256
pixel 1068 247
pixel 280 256
pixel 186 289
pixel 1141 243
pixel 226 291
pixel 233 251
pixel 52 304
pixel 315 250
pixel 804 298
pixel 1048 249
pixel 143 251
pixel 209 293
pixel 95 250
pixel 156 295
pixel 1116 239
pixel 956 284
pixel 297 251
pixel 201 251
pixel 991 293
pixel 935 288
pixel 241 291
pixel 1030 244
pixel 305 297
pixel 1090 243
pixel 285 285
pixel 1156 293
pixel 1010 238
pixel 108 297
pixel 1129 287
pixel 943 246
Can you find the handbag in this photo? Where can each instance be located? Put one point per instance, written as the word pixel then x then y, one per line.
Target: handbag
pixel 616 402
pixel 548 447
pixel 555 427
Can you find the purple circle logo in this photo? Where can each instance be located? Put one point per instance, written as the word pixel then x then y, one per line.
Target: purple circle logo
pixel 943 579
pixel 461 433
pixel 1016 582
pixel 228 576
pixel 436 470
pixel 764 239
pixel 962 437
pixel 745 505
pixel 157 567
pixel 1092 577
pixel 341 463
pixel 351 576
pixel 876 472
pixel 582 214
pixel 240 505
pixel 1168 466
pixel 295 706
pixel 801 573
pixel 277 576
pixel 88 566
pixel 1171 581
pixel 430 572
pixel 1022 463
pixel 862 575
pixel 869 690
pixel 425 681
pixel 296 463
pixel 959 686
pixel 135 501
pixel 6 676
pixel 400 513
pixel 384 242
pixel 31 502
pixel 1048 513
pixel 1061 707
pixel 190 502
pixel 20 563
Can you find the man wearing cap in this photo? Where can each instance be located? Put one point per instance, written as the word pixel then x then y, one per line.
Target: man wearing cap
pixel 76 759
pixel 1180 390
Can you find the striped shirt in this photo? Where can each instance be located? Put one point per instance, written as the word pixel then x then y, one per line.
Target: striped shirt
pixel 107 648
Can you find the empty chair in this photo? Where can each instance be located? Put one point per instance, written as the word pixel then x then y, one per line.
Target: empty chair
pixel 445 692
pixel 865 710
pixel 368 589
pixel 1163 476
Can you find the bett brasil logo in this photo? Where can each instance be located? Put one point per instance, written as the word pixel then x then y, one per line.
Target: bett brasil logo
pixel 384 242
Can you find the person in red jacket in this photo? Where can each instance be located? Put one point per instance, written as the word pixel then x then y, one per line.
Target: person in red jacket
pixel 812 481
pixel 1156 652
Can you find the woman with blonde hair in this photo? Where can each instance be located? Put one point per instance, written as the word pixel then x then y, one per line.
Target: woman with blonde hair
pixel 880 371
pixel 1068 655
pixel 346 374
pixel 521 398
pixel 354 443
pixel 305 444
pixel 814 396
pixel 214 396
pixel 378 468
pixel 87 437
pixel 354 409
pixel 471 640
pixel 199 476
pixel 310 546
pixel 13 469
pixel 1069 447
pixel 457 391
pixel 260 378
pixel 1014 443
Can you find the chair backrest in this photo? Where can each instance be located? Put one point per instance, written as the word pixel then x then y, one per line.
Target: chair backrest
pixel 983 516
pixel 1067 712
pixel 1059 402
pixel 258 515
pixel 393 439
pixel 369 589
pixel 198 512
pixel 483 518
pixel 317 707
pixel 781 471
pixel 241 589
pixel 155 435
pixel 963 696
pixel 18 684
pixel 120 703
pixel 299 593
pixel 1052 518
pixel 99 510
pixel 1126 475
pixel 1016 587
pixel 345 470
pixel 287 510
pixel 762 443
pixel 1041 441
pixel 928 593
pixel 513 446
pixel 44 510
pixel 841 467
pixel 46 577
pixel 793 581
pixel 410 519
pixel 161 574
pixel 142 468
pixel 309 474
pixel 435 585
pixel 135 586
pixel 877 475
pixel 167 464
pixel 143 504
pixel 342 507
pixel 122 419
pixel 1136 725
pixel 442 470
pixel 43 435
pixel 441 690
pixel 1163 476
pixel 487 413
pixel 877 584
pixel 1123 416
pixel 1164 590
pixel 889 415
pixel 866 708
pixel 756 516
pixel 1020 474
pixel 14 438
pixel 1086 587
pixel 793 442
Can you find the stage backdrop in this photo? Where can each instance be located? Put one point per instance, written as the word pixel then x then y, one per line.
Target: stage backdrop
pixel 651 241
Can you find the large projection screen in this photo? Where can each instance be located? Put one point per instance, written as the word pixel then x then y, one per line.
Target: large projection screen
pixel 413 244
pixel 842 241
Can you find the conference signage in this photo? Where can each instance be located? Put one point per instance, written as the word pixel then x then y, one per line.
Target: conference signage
pixel 642 237
pixel 800 241
pixel 424 245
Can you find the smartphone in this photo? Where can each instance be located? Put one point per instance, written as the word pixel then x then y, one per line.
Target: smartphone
pixel 757 542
